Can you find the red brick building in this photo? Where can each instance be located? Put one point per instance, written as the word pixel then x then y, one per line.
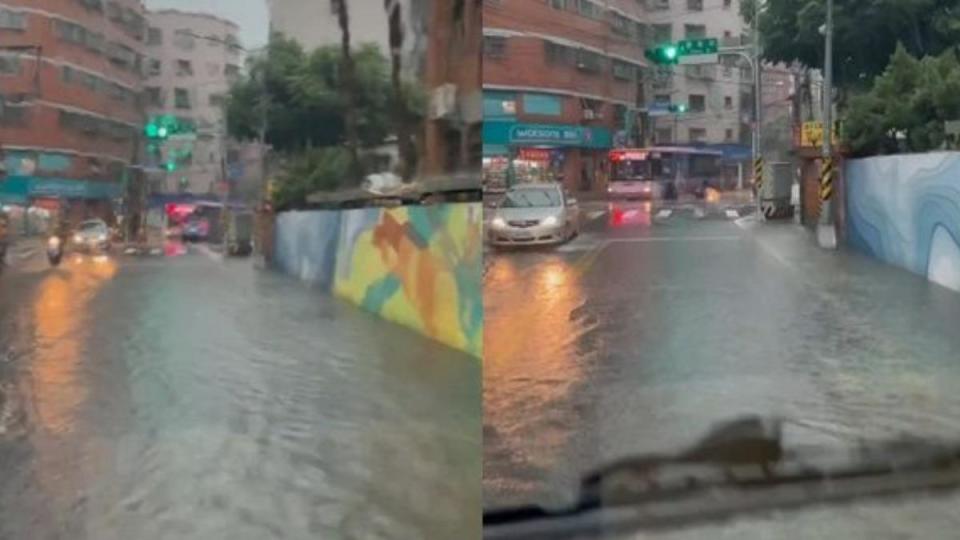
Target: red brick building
pixel 562 84
pixel 71 74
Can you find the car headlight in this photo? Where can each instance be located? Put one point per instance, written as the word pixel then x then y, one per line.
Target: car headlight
pixel 498 223
pixel 102 238
pixel 550 221
pixel 54 242
pixel 78 239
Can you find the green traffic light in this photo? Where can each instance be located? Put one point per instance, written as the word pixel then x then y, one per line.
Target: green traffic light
pixel 171 166
pixel 681 108
pixel 670 52
pixel 151 130
pixel 162 132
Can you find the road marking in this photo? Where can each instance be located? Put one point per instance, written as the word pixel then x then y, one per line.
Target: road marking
pixel 595 214
pixel 651 239
pixel 664 214
pixel 699 213
pixel 732 214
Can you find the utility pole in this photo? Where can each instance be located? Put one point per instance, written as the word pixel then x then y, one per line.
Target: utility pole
pixel 826 233
pixel 757 107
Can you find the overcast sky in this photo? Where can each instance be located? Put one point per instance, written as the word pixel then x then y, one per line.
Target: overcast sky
pixel 251 15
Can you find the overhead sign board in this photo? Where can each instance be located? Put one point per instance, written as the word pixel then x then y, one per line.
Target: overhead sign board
pixel 690 47
pixel 811 134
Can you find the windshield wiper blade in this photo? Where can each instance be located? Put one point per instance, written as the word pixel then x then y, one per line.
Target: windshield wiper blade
pixel 740 467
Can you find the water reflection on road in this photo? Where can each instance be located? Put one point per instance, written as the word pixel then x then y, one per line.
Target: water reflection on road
pixel 175 397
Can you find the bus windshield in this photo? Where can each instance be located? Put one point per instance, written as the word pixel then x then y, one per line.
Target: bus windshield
pixel 631 170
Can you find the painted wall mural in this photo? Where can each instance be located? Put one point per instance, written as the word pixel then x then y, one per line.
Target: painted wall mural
pixel 419 266
pixel 905 210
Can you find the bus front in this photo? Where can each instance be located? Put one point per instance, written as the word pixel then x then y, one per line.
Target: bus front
pixel 632 175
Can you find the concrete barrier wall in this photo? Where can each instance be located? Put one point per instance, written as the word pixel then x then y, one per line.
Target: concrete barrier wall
pixel 419 266
pixel 905 210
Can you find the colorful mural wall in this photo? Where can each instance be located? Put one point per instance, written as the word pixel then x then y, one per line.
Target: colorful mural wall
pixel 905 210
pixel 419 266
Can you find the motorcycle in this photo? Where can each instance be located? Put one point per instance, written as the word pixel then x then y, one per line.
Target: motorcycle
pixel 54 250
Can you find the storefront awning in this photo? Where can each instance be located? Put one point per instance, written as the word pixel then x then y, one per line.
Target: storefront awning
pixel 495 150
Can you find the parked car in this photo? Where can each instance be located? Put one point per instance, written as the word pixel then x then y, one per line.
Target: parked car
pixel 196 230
pixel 534 214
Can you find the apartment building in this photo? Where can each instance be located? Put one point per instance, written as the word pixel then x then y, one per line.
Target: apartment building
pixel 192 60
pixel 71 73
pixel 718 96
pixel 563 82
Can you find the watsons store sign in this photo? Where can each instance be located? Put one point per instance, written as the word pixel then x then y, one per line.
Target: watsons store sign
pixel 513 134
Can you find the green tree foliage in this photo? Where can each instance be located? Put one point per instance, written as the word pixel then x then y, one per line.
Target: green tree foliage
pixel 310 171
pixel 865 35
pixel 906 107
pixel 304 92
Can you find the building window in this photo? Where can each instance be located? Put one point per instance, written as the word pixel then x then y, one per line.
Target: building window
pixel 231 71
pixel 641 31
pixel 664 135
pixel 694 31
pixel 154 96
pixel 542 104
pixel 698 103
pixel 558 4
pixel 698 135
pixel 181 98
pixel 623 71
pixel 727 4
pixel 662 100
pixel 15 116
pixel 557 54
pixel 155 67
pixel 590 9
pixel 184 39
pixel 12 20
pixel 494 46
pixel 217 100
pixel 9 65
pixel 68 74
pixel 184 68
pixel 620 24
pixel 499 105
pixel 154 36
pixel 662 33
pixel 728 135
pixel 728 103
pixel 589 61
pixel 694 5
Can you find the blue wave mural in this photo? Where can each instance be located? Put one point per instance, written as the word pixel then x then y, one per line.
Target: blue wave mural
pixel 905 210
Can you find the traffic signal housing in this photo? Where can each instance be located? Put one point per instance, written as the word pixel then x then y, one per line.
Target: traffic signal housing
pixel 678 108
pixel 666 54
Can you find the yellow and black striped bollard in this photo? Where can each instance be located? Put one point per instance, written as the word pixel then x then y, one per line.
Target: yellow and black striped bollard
pixel 758 173
pixel 827 171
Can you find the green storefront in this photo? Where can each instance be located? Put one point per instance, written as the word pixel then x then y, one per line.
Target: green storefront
pixel 528 152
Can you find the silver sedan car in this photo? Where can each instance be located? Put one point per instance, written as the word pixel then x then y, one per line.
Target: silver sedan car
pixel 534 214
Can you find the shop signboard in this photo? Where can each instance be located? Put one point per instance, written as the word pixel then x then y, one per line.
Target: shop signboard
pixel 516 135
pixel 534 154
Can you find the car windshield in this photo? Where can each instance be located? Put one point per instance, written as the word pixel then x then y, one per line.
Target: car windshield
pixel 91 226
pixel 532 198
pixel 796 255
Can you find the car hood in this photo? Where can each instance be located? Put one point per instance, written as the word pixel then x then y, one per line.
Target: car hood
pixel 511 214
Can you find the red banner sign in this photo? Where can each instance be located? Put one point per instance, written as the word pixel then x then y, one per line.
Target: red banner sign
pixel 534 154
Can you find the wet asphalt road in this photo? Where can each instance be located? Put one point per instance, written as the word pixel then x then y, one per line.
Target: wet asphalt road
pixel 184 398
pixel 653 325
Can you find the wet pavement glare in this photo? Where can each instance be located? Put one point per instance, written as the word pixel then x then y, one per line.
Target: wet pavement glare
pixel 176 397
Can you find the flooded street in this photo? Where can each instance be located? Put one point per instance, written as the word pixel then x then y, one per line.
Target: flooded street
pixel 658 322
pixel 178 397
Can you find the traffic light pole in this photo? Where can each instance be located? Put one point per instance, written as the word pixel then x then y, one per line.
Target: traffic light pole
pixel 826 232
pixel 757 107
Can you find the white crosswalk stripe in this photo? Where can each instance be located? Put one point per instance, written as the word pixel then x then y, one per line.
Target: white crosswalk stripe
pixel 584 242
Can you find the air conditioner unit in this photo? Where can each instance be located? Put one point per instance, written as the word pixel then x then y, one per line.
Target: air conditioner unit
pixel 443 101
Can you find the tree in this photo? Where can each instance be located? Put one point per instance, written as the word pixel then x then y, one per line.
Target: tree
pixel 348 85
pixel 313 170
pixel 865 35
pixel 906 107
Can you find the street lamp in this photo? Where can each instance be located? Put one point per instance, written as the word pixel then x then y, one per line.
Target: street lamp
pixel 826 233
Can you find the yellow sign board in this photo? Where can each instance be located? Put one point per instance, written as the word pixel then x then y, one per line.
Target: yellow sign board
pixel 811 134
